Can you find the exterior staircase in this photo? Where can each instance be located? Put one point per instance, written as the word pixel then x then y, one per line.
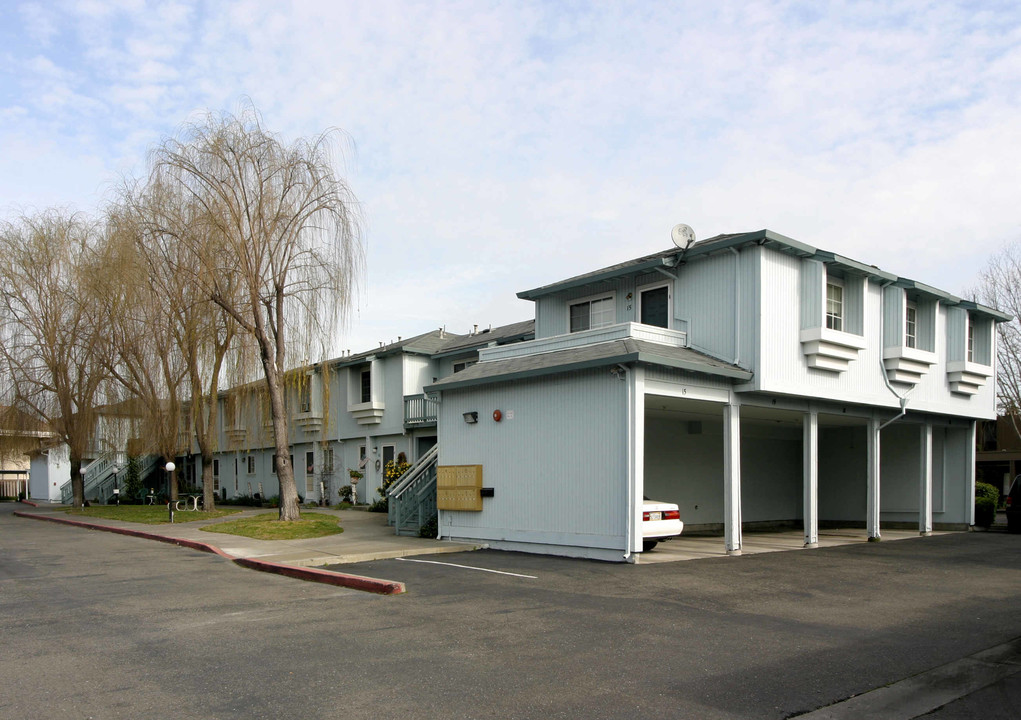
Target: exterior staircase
pixel 101 476
pixel 412 499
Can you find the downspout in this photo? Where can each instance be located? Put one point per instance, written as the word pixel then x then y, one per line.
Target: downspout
pixel 737 307
pixel 903 399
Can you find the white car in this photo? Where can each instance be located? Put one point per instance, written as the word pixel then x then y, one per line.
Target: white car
pixel 660 521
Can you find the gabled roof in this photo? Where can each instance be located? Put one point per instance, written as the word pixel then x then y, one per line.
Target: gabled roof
pixel 612 352
pixel 676 256
pixel 515 332
pixel 14 421
pixel 424 344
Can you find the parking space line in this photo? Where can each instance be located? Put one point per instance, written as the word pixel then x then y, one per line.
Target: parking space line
pixel 467 567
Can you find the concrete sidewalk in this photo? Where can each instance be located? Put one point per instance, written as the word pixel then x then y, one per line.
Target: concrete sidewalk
pixel 366 537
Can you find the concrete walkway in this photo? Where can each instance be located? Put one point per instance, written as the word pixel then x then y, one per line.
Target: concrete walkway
pixel 366 537
pixel 694 547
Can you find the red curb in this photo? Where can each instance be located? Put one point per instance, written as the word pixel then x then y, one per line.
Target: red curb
pixel 29 502
pixel 356 582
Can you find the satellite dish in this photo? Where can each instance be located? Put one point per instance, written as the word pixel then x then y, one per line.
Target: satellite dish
pixel 683 236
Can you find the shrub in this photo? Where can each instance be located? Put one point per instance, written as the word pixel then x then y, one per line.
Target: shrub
pixel 430 528
pixel 393 472
pixel 133 479
pixel 345 494
pixel 245 500
pixel 985 511
pixel 985 490
pixel 381 506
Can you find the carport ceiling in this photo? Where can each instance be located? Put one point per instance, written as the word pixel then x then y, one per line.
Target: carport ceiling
pixel 657 406
pixel 680 409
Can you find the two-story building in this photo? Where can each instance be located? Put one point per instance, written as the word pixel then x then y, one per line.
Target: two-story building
pixel 752 379
pixel 356 412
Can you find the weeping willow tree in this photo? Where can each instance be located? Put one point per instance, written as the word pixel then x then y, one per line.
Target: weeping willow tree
pixel 287 250
pixel 163 231
pixel 144 357
pixel 52 330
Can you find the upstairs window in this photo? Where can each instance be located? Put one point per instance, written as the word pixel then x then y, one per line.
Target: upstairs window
pixel 459 366
pixel 971 338
pixel 911 325
pixel 592 314
pixel 834 305
pixel 654 306
pixel 305 397
pixel 366 385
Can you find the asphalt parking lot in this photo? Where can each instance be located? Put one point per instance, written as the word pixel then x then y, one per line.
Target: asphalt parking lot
pixel 104 626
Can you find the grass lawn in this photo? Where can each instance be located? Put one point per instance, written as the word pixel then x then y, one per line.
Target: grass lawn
pixel 267 527
pixel 147 514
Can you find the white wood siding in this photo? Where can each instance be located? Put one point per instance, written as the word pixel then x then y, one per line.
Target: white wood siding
pixel 782 367
pixel 557 461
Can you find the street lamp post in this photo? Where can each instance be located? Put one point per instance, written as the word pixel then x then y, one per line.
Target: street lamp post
pixel 117 482
pixel 170 467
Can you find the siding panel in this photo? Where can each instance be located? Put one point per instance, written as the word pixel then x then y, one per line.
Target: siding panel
pixel 557 461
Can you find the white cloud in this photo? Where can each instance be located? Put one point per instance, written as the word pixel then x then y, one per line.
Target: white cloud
pixel 500 147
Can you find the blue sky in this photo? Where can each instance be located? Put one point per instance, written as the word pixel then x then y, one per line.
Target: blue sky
pixel 496 147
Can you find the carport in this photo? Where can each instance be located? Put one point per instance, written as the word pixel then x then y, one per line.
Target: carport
pixel 789 460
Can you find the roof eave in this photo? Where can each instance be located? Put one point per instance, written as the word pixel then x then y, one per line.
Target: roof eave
pixel 629 357
pixel 610 274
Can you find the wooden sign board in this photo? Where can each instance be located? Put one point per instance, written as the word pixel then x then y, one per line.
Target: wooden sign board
pixel 459 487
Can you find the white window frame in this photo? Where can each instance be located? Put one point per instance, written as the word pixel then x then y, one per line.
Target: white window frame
pixel 462 365
pixel 611 296
pixel 669 301
pixel 970 338
pixel 833 321
pixel 367 370
pixel 310 475
pixel 911 324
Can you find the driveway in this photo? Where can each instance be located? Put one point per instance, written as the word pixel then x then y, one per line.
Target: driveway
pixel 105 626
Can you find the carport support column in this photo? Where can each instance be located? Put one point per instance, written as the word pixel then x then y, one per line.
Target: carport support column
pixel 732 478
pixel 636 454
pixel 925 488
pixel 969 464
pixel 872 521
pixel 810 443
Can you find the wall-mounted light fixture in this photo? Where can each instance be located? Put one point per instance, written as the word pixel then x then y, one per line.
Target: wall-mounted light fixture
pixel 471 417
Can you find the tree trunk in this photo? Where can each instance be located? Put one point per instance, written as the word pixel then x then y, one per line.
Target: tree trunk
pixel 285 471
pixel 208 492
pixel 274 386
pixel 77 482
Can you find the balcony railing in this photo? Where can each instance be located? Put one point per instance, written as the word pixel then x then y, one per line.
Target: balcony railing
pixel 621 331
pixel 419 411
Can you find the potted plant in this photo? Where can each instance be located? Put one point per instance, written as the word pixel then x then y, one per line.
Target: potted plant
pixel 355 475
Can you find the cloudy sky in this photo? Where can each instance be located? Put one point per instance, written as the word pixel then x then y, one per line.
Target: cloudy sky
pixel 496 147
